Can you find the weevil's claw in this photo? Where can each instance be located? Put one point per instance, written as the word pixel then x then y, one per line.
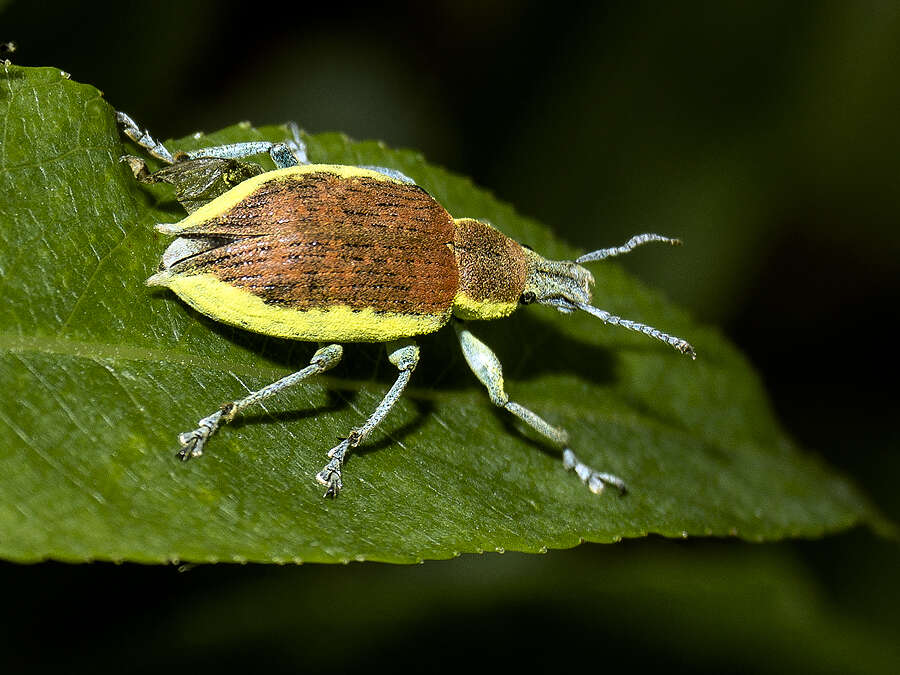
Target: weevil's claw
pixel 595 480
pixel 192 442
pixel 330 477
pixel 686 348
pixel 138 167
pixel 598 481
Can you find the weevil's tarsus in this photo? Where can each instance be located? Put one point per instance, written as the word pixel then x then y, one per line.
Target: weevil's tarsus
pixel 143 138
pixel 138 167
pixel 486 366
pixel 595 480
pixel 404 354
pixel 631 244
pixel 192 442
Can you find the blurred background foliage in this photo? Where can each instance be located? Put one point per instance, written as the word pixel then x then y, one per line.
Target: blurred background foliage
pixel 763 133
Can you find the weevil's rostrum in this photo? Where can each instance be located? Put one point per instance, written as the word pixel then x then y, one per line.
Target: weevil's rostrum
pixel 337 254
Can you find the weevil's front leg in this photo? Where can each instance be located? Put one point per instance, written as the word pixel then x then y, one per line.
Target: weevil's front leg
pixel 405 355
pixel 486 366
pixel 289 153
pixel 192 442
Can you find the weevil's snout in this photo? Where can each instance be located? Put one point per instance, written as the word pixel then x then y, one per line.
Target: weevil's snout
pixel 566 285
pixel 560 283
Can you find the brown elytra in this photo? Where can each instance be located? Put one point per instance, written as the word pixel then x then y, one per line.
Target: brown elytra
pixel 318 240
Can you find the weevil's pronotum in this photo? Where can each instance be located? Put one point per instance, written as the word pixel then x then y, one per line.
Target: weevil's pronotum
pixel 333 254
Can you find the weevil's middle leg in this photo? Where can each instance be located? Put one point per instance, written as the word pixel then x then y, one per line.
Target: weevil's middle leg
pixel 192 442
pixel 405 355
pixel 486 366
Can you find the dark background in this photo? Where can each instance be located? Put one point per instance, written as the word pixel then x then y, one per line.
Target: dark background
pixel 763 133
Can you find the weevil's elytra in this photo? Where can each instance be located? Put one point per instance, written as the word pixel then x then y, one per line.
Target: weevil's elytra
pixel 339 254
pixel 318 252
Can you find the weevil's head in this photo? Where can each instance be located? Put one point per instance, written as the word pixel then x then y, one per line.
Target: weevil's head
pixel 566 285
pixel 497 274
pixel 563 284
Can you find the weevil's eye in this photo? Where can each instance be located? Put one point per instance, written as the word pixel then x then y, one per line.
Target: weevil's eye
pixel 527 298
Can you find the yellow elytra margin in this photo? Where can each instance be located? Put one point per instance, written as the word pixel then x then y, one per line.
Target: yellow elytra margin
pixel 249 186
pixel 237 307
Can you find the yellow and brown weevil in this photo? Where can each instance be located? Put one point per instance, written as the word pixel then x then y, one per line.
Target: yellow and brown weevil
pixel 333 253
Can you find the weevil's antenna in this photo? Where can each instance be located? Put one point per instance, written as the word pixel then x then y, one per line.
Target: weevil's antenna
pixel 676 342
pixel 631 244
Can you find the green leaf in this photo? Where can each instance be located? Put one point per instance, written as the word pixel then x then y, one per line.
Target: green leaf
pixel 100 373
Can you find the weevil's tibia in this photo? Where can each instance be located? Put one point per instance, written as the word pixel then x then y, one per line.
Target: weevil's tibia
pixel 192 442
pixel 486 366
pixel 283 154
pixel 289 153
pixel 405 355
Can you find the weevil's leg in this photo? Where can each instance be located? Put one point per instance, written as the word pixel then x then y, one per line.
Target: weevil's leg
pixel 143 138
pixel 486 366
pixel 281 153
pixel 289 153
pixel 631 244
pixel 390 173
pixel 296 144
pixel 192 442
pixel 405 355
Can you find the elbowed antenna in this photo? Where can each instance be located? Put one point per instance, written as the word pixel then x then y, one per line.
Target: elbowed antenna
pixel 631 244
pixel 681 345
pixel 639 239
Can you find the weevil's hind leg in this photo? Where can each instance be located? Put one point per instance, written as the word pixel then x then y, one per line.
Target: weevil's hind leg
pixel 289 153
pixel 143 138
pixel 192 442
pixel 486 366
pixel 405 355
pixel 281 153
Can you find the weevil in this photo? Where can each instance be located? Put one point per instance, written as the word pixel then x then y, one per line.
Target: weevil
pixel 340 254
